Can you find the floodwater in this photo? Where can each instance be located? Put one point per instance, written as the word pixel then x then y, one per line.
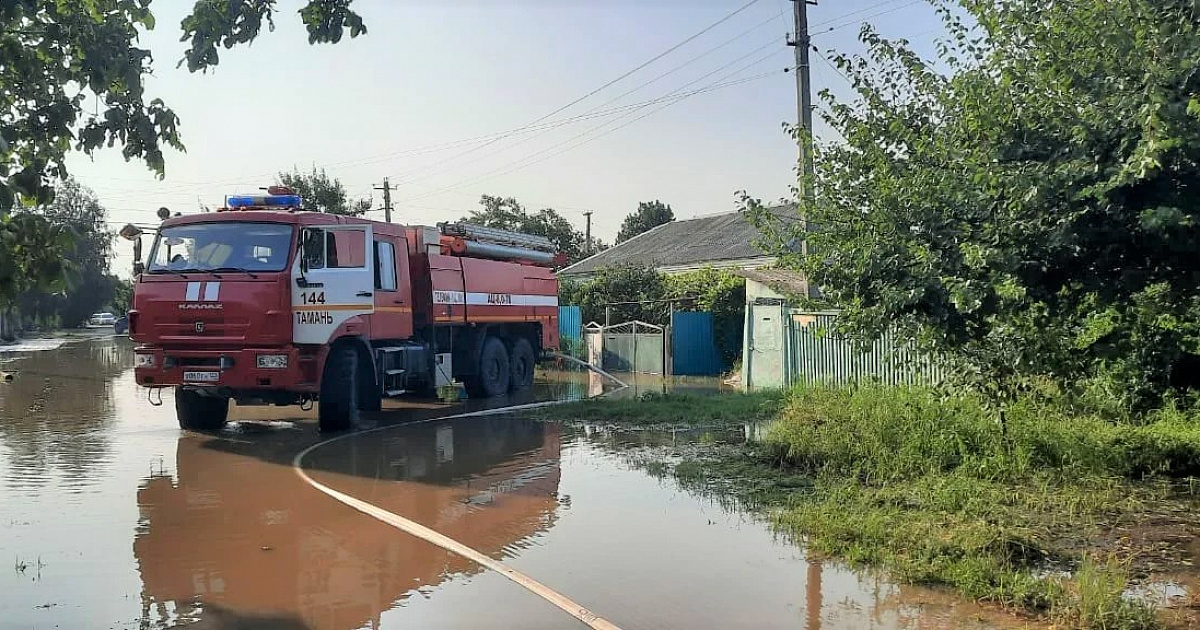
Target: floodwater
pixel 113 518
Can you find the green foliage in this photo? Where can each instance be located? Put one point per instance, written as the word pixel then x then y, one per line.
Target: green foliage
pixel 122 298
pixel 55 55
pixel 213 23
pixel 718 292
pixel 323 193
pixel 88 286
pixel 1033 210
pixel 507 213
pixel 1101 602
pixel 649 215
pixel 627 283
pixel 924 485
pixel 31 254
pixel 641 293
pixel 884 434
pixel 667 410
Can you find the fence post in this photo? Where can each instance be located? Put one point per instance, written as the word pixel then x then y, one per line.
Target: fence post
pixel 635 345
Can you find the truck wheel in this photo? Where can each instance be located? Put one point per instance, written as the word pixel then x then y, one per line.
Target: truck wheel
pixel 337 404
pixel 494 373
pixel 521 360
pixel 197 412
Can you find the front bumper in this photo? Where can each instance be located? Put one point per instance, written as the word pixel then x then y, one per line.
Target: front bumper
pixel 229 369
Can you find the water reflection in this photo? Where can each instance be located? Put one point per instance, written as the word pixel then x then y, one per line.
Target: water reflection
pixel 229 538
pixel 56 415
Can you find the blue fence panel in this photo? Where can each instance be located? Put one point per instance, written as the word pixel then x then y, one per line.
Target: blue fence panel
pixel 570 322
pixel 693 345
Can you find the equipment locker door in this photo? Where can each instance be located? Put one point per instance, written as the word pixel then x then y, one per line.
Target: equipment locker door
pixel 333 278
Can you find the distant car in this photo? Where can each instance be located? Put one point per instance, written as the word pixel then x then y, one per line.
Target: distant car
pixel 121 326
pixel 102 319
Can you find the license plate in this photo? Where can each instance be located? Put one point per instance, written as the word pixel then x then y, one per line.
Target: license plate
pixel 202 377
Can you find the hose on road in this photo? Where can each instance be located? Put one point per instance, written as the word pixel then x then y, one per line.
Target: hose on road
pixel 449 544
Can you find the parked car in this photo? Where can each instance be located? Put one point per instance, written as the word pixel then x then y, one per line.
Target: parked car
pixel 121 326
pixel 102 319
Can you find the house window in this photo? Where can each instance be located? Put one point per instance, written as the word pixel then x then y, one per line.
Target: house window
pixel 385 266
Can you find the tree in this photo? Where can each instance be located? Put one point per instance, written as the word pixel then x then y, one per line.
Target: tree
pixel 30 254
pixel 122 299
pixel 1033 210
pixel 89 286
pixel 507 213
pixel 649 215
pixel 54 56
pixel 629 284
pixel 323 193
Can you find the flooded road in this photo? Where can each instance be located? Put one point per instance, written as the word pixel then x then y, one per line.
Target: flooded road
pixel 113 518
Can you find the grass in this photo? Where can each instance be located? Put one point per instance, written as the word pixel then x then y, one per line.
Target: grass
pixel 673 410
pixel 930 488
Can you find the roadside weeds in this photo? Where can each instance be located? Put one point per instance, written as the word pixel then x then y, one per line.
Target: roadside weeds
pixel 1054 518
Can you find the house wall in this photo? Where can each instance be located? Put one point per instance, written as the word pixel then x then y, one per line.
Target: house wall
pixel 756 290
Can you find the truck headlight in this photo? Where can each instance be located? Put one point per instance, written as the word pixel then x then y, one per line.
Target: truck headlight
pixel 143 360
pixel 272 361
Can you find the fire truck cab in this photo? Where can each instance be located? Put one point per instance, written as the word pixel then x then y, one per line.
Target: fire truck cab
pixel 265 303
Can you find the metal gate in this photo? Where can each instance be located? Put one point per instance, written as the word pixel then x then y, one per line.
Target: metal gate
pixel 630 347
pixel 570 322
pixel 694 345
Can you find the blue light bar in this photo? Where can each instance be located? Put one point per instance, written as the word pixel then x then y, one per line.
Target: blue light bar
pixel 264 201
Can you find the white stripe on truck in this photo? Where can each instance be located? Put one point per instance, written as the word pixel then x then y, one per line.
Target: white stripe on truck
pixel 493 299
pixel 212 290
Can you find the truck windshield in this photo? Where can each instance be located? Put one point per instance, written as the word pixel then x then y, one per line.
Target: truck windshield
pixel 221 246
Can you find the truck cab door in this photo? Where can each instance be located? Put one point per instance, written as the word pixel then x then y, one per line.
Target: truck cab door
pixel 333 280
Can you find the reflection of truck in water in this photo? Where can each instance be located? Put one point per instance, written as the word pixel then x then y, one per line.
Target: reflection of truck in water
pixel 264 303
pixel 247 538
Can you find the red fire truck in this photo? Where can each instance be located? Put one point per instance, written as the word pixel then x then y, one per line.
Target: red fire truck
pixel 265 303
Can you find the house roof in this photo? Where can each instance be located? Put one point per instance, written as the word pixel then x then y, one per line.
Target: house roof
pixel 719 237
pixel 782 281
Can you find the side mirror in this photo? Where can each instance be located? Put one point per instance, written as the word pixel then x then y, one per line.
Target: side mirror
pixel 138 268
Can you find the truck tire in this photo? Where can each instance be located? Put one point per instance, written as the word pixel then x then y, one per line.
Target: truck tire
pixel 494 373
pixel 521 362
pixel 197 412
pixel 337 403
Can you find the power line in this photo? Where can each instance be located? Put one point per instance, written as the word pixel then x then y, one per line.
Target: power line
pixel 630 108
pixel 655 58
pixel 595 91
pixel 538 156
pixel 843 25
pixel 869 7
pixel 833 66
pixel 672 97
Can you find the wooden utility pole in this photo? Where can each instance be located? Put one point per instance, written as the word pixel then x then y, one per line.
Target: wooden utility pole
pixel 588 237
pixel 387 200
pixel 803 43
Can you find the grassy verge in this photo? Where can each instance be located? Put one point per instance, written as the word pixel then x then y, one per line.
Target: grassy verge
pixel 674 410
pixel 931 489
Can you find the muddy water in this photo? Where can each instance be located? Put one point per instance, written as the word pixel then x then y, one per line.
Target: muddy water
pixel 113 518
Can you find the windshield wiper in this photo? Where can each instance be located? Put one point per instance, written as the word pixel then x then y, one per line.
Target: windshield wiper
pixel 217 270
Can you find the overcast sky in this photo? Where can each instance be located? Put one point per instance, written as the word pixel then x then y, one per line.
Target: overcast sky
pixel 427 96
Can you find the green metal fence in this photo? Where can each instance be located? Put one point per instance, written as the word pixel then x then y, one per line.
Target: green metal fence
pixel 785 346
